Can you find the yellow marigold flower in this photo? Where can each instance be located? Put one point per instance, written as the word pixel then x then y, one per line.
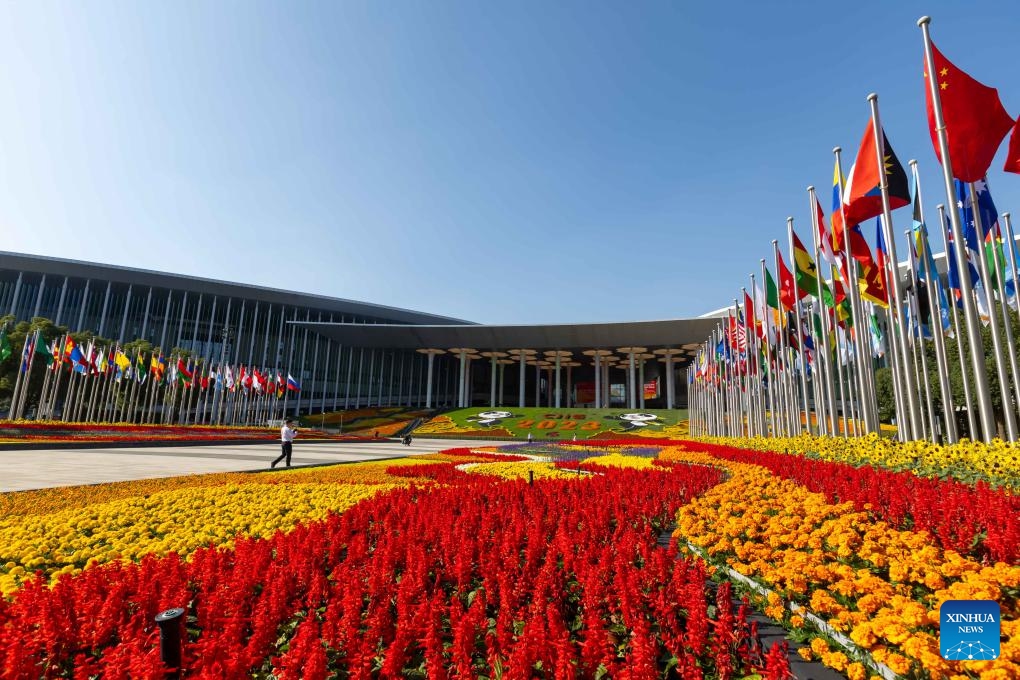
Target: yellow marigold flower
pixel 835 660
pixel 819 646
pixel 856 671
pixel 864 635
pixel 805 653
pixel 898 664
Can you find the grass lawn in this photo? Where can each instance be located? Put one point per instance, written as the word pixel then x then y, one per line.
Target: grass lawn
pixel 562 424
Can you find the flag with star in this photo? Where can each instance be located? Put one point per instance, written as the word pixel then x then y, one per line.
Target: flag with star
pixel 989 217
pixel 862 198
pixel 807 273
pixel 975 119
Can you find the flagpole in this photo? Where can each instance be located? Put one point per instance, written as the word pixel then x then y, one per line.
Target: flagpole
pixel 43 393
pixel 918 346
pixel 739 392
pixel 788 378
pixel 961 337
pixel 931 280
pixel 754 423
pixel 978 363
pixel 50 387
pixel 736 378
pixel 906 377
pixel 769 392
pixel 23 399
pixel 718 402
pixel 986 283
pixel 799 333
pixel 847 417
pixel 1000 275
pixel 42 413
pixel 827 383
pixel 863 366
pixel 1010 245
pixel 16 394
pixel 927 420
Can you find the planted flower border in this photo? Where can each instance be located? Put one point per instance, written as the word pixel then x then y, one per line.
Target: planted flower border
pixel 869 570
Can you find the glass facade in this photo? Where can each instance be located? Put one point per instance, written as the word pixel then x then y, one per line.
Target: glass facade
pixel 232 323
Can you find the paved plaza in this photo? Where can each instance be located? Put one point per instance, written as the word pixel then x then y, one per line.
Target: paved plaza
pixel 22 470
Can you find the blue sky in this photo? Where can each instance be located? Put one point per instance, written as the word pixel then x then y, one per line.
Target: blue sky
pixel 511 163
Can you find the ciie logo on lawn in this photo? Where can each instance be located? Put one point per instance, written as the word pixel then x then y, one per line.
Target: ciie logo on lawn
pixel 969 630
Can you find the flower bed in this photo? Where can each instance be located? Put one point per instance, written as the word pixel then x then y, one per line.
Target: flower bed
pixel 881 586
pixel 19 432
pixel 997 463
pixel 477 577
pixel 444 569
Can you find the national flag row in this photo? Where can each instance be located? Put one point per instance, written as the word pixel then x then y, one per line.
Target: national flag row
pixel 120 369
pixel 774 332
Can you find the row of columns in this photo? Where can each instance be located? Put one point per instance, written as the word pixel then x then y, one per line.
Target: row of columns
pixel 553 362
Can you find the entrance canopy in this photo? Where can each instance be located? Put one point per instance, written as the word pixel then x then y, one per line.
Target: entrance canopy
pixel 676 333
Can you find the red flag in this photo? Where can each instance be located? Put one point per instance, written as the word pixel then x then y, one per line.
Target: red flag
pixel 786 286
pixel 862 197
pixel 976 121
pixel 754 324
pixel 1013 155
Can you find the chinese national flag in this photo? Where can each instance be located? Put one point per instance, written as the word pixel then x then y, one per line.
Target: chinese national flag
pixel 976 121
pixel 1013 156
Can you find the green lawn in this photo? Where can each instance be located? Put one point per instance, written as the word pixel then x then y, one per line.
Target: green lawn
pixel 561 424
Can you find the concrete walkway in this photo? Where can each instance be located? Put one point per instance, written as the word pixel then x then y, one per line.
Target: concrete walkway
pixel 21 470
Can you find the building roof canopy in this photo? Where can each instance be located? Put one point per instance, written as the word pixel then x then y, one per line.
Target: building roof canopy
pixel 576 337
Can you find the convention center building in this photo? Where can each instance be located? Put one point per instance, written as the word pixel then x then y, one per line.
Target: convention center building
pixel 347 354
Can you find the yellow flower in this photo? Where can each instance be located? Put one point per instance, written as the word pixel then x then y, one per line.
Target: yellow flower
pixel 856 671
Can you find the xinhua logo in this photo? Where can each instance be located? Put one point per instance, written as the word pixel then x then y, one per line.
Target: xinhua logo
pixel 969 630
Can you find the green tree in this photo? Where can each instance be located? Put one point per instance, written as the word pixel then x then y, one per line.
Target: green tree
pixel 886 402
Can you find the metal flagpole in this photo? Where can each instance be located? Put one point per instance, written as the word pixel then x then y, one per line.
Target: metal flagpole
pixel 1010 249
pixel 750 397
pixel 978 364
pixel 907 376
pixel 770 372
pixel 58 364
pixel 26 383
pixel 934 303
pixel 961 339
pixel 1000 272
pixel 799 334
pixel 784 371
pixel 915 312
pixel 41 409
pixel 830 394
pixel 863 365
pixel 986 282
pixel 22 367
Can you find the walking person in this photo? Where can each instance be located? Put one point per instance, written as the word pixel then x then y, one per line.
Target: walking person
pixel 287 434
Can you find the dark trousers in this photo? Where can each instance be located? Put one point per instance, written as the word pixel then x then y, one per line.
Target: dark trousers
pixel 288 448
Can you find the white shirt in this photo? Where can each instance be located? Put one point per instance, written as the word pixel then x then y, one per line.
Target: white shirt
pixel 287 434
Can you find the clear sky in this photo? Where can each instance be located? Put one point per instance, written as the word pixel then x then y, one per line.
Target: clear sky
pixel 516 162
